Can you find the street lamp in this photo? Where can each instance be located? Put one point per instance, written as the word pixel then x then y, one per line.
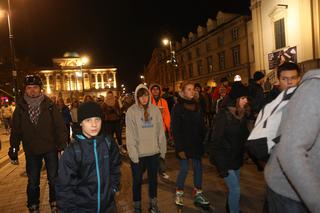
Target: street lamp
pixel 172 61
pixel 12 51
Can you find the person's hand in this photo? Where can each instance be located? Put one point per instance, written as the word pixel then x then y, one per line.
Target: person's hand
pixel 182 155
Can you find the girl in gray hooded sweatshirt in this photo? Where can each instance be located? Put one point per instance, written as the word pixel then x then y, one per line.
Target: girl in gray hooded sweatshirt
pixel 146 142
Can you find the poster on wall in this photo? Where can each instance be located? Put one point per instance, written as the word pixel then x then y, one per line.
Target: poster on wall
pixel 277 58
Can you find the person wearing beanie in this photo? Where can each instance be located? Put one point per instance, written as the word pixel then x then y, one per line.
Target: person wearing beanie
pixel 256 95
pixel 89 169
pixel 226 146
pixel 38 124
pixel 155 90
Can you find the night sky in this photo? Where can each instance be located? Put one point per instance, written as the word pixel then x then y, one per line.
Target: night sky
pixel 112 32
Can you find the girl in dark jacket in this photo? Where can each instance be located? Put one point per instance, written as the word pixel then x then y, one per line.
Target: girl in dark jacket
pixel 188 132
pixel 227 144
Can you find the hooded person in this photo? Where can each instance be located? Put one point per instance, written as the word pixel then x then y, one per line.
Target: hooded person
pixel 226 147
pixel 146 142
pixel 155 92
pixel 89 169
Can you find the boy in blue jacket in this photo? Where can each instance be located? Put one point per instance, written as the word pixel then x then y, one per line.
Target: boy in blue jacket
pixel 89 169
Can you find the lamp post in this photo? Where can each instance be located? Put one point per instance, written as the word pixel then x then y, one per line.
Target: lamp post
pixel 12 52
pixel 172 61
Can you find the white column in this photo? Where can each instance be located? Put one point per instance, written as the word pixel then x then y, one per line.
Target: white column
pixel 102 80
pixel 114 80
pixel 70 82
pixel 48 83
pixel 96 78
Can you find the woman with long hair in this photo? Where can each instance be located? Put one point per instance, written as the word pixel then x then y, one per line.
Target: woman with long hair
pixel 146 143
pixel 226 150
pixel 188 132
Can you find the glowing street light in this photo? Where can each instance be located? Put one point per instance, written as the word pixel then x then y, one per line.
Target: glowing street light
pixel 122 85
pixel 141 76
pixel 165 41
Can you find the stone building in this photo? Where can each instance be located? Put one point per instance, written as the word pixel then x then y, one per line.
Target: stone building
pixel 70 77
pixel 285 30
pixel 223 48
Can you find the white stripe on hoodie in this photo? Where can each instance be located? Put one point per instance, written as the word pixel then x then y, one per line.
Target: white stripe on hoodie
pixel 144 138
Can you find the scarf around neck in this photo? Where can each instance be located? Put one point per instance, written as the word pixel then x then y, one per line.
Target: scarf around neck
pixel 34 107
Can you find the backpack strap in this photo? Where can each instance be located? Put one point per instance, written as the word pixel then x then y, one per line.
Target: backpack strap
pixel 77 151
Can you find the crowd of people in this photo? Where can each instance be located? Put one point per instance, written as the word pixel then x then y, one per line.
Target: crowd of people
pixel 83 168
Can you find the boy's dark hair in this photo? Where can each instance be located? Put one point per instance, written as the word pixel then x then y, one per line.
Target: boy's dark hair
pixel 288 66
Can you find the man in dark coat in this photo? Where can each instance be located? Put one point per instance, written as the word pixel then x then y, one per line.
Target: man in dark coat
pixel 256 94
pixel 39 125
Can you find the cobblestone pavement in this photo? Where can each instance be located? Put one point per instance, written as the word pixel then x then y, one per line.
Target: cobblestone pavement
pixel 13 182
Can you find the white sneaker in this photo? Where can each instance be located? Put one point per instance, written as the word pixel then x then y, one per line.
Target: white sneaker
pixel 165 175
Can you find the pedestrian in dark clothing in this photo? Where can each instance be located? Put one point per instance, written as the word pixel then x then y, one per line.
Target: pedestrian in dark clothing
pixel 188 133
pixel 65 112
pixel 112 113
pixel 169 98
pixel 38 123
pixel 256 95
pixel 89 169
pixel 226 148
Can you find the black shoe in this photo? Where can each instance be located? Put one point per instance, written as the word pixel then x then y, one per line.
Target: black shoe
pixel 34 209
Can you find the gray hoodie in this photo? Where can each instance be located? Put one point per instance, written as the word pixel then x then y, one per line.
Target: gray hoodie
pixel 144 138
pixel 293 169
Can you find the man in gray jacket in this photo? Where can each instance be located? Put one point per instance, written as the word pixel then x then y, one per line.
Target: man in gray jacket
pixel 292 173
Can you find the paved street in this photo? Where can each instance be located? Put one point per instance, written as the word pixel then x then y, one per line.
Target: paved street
pixel 13 186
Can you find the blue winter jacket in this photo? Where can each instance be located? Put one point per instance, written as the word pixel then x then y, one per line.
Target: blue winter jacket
pixel 88 175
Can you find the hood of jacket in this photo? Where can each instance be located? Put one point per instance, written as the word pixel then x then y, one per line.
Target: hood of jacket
pixel 140 86
pixel 310 75
pixel 156 85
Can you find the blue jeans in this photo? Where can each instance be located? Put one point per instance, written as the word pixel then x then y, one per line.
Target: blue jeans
pixel 197 173
pixel 33 167
pixel 233 183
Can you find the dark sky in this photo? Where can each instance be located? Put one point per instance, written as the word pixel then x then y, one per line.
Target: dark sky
pixel 112 32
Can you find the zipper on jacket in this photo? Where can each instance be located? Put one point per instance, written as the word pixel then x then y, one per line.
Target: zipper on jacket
pixel 97 171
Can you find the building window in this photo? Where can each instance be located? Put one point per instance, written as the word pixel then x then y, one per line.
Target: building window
pixel 221 60
pixel 236 55
pixel 210 64
pixel 279 32
pixel 184 72
pixel 208 47
pixel 190 66
pixel 220 41
pixel 189 56
pixel 198 51
pixel 235 34
pixel 200 67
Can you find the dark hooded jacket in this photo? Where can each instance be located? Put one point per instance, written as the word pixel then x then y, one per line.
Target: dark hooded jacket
pixel 188 128
pixel 88 175
pixel 226 148
pixel 49 134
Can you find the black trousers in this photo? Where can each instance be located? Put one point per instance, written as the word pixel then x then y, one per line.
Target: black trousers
pixel 151 164
pixel 33 166
pixel 114 127
pixel 277 203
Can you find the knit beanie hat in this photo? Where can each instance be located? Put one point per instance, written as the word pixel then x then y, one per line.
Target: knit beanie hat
pixel 258 75
pixel 238 90
pixel 88 110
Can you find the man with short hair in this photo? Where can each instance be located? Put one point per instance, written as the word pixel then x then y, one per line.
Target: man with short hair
pixel 288 75
pixel 292 173
pixel 39 125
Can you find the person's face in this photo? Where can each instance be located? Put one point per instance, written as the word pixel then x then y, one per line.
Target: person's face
pixel 243 101
pixel 33 91
pixel 110 95
pixel 144 100
pixel 155 91
pixel 288 78
pixel 197 89
pixel 189 91
pixel 91 126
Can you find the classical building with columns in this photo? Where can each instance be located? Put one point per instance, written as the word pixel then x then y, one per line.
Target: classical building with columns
pixel 71 78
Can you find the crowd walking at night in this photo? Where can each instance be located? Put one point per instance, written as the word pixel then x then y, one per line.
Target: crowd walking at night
pixel 275 127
